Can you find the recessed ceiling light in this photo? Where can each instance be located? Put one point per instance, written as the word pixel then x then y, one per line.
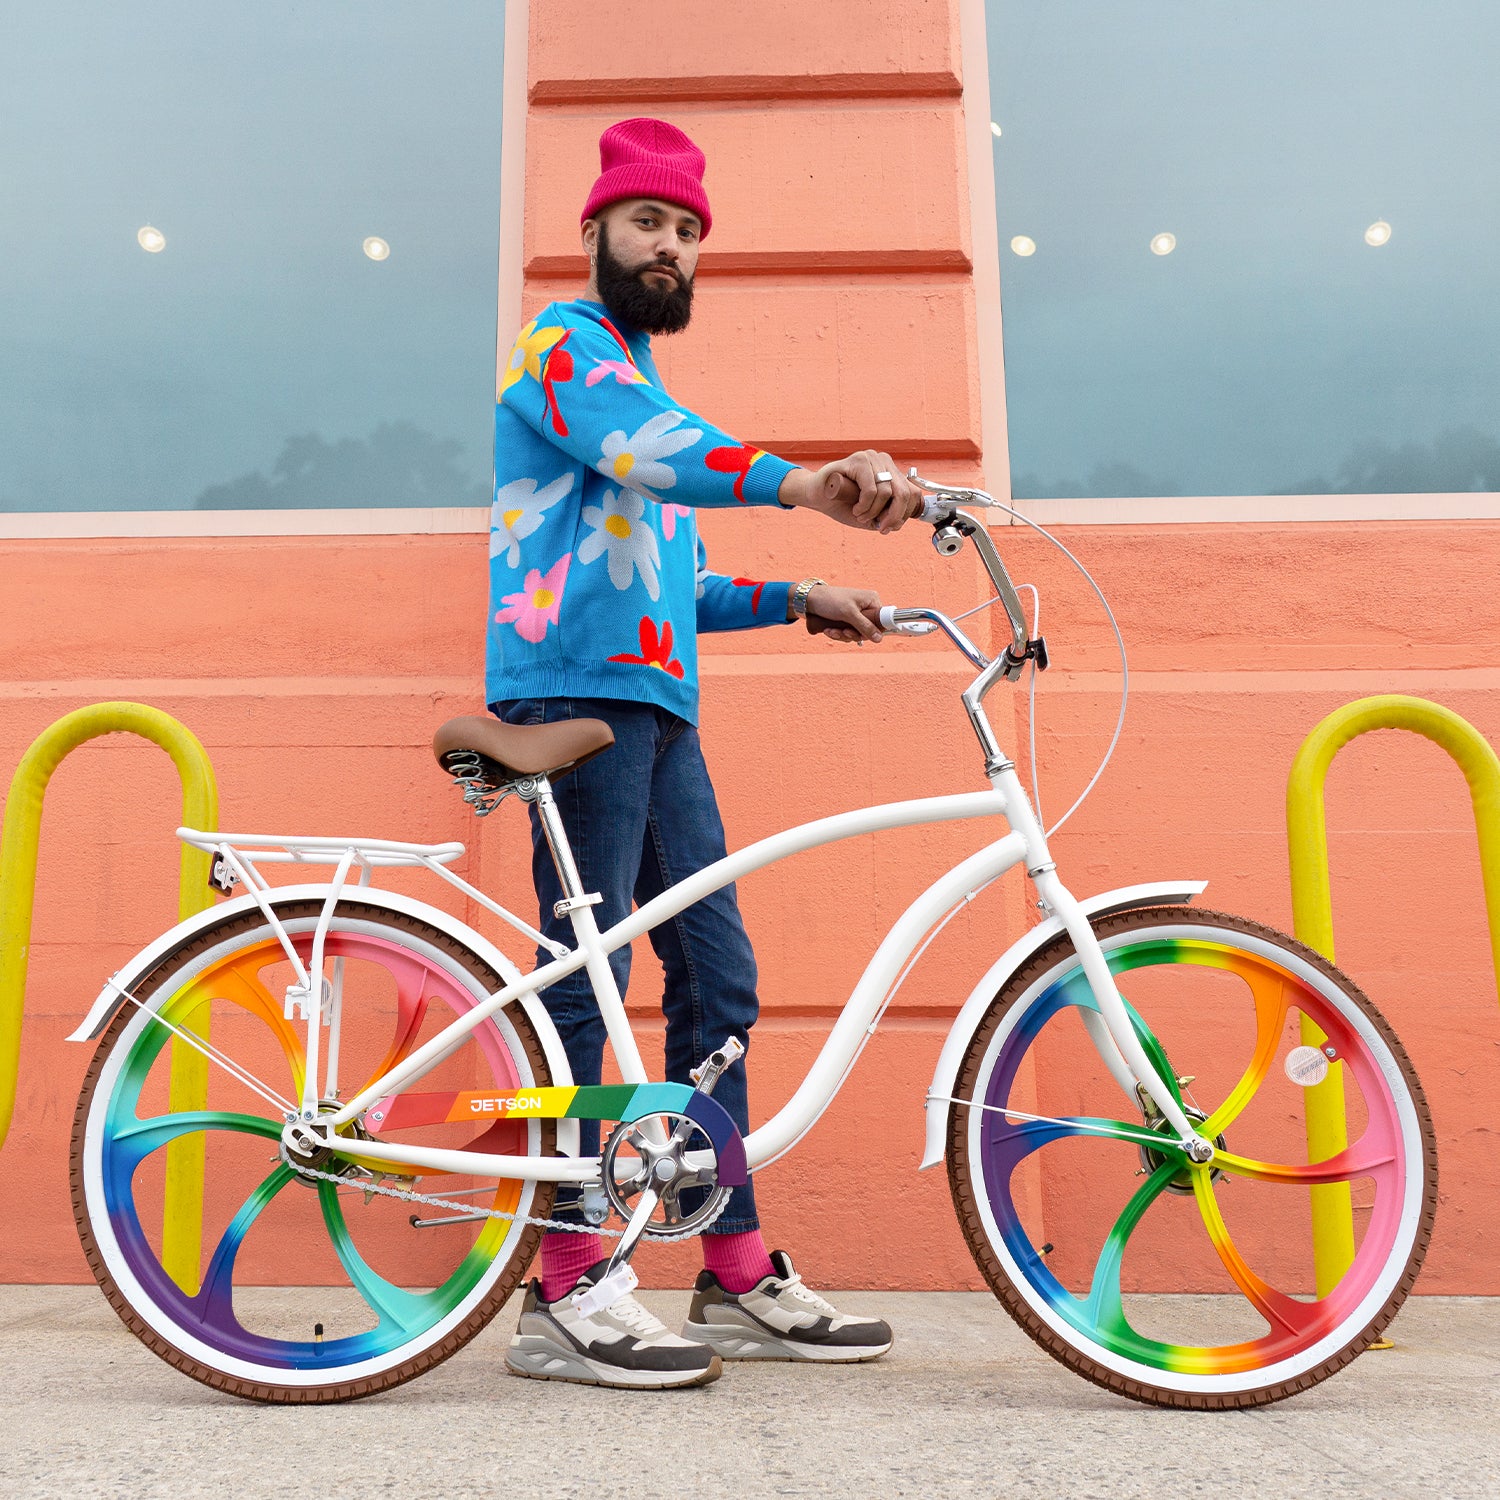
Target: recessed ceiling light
pixel 1378 233
pixel 1023 244
pixel 1163 244
pixel 376 248
pixel 148 237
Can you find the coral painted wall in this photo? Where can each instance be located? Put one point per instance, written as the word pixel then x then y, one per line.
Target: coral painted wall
pixel 316 667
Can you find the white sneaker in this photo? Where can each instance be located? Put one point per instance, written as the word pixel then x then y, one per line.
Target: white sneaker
pixel 624 1346
pixel 780 1318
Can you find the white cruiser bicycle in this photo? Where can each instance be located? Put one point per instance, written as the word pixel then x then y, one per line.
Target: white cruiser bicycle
pixel 390 1112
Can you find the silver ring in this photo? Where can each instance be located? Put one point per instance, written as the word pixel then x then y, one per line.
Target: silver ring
pixel 883 477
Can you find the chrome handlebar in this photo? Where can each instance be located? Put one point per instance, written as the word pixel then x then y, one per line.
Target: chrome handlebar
pixel 951 527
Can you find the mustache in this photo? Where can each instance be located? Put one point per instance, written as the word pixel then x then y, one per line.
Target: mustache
pixel 661 265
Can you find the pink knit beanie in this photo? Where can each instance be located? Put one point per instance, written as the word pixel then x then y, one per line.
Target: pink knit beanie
pixel 646 158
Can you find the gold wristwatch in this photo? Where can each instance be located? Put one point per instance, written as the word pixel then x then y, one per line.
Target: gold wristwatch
pixel 798 599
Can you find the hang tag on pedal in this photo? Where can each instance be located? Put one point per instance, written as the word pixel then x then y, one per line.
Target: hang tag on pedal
pixel 606 1291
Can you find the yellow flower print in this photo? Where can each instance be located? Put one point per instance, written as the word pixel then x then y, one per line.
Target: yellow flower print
pixel 526 355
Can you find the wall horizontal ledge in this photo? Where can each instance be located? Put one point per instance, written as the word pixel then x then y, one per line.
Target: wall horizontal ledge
pixel 1210 510
pixel 822 450
pixel 1350 682
pixel 109 689
pixel 729 88
pixel 900 281
pixel 817 660
pixel 371 521
pixel 575 267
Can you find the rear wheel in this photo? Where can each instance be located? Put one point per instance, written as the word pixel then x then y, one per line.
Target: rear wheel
pixel 305 1288
pixel 1176 1284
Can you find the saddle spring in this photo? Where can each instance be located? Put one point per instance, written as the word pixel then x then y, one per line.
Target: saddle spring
pixel 467 769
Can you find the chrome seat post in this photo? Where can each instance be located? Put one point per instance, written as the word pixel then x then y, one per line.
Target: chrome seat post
pixel 538 789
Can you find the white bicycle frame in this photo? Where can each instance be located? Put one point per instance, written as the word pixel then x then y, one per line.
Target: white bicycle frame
pixel 1025 844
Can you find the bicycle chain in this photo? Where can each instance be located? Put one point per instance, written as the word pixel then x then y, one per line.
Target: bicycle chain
pixel 413 1196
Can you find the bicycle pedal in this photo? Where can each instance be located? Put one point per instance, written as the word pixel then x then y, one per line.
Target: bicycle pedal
pixel 606 1291
pixel 707 1074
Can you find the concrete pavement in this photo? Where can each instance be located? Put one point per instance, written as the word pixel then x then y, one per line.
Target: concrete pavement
pixel 964 1405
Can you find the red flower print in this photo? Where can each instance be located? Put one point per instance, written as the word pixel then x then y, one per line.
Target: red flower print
pixel 656 651
pixel 737 460
pixel 614 333
pixel 558 372
pixel 750 583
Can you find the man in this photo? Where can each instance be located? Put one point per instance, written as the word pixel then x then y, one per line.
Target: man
pixel 599 587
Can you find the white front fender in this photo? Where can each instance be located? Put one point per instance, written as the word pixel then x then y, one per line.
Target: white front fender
pixel 966 1023
pixel 111 998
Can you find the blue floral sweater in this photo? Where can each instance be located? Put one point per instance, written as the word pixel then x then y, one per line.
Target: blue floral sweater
pixel 599 583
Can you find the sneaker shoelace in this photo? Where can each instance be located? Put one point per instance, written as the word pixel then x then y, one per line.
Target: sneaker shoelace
pixel 639 1319
pixel 796 1288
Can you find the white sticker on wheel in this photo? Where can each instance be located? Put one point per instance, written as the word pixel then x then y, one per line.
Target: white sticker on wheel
pixel 1306 1066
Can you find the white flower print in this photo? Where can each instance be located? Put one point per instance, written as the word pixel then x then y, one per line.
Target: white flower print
pixel 621 533
pixel 517 512
pixel 635 461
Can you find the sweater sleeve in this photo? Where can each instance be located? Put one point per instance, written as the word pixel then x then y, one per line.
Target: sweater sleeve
pixel 579 388
pixel 726 603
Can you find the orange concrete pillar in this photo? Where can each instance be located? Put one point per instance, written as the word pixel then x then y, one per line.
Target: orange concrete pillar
pixel 838 307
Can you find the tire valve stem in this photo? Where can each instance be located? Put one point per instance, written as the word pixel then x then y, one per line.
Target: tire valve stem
pixel 318 1338
pixel 1047 1248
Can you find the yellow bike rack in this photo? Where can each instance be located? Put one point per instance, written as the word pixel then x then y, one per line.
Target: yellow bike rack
pixel 1312 909
pixel 183 1211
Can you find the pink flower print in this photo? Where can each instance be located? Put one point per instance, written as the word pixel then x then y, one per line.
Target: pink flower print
pixel 669 515
pixel 537 605
pixel 624 374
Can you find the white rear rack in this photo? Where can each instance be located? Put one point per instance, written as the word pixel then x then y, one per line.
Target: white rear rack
pixel 266 848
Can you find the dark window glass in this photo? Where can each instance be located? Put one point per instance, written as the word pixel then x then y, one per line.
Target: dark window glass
pixel 1327 318
pixel 260 358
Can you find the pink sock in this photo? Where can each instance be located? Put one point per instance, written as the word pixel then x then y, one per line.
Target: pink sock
pixel 738 1260
pixel 565 1257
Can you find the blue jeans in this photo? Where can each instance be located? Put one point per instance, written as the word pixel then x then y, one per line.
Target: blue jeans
pixel 641 817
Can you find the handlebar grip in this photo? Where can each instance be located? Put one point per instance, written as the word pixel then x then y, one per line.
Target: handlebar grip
pixel 891 626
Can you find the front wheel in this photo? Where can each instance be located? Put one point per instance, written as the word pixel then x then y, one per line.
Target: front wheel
pixel 1175 1284
pixel 301 1286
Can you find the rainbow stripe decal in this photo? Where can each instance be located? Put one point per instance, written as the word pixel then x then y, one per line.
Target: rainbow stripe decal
pixel 1099 1315
pixel 622 1101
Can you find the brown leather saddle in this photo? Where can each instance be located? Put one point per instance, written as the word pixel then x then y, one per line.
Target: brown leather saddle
pixel 489 756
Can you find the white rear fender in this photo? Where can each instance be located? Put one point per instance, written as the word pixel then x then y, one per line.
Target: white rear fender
pixel 111 997
pixel 966 1023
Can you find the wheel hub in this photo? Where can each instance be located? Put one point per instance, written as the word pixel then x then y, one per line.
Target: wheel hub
pixel 1182 1181
pixel 304 1151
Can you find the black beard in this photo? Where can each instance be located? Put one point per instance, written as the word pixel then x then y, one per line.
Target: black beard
pixel 633 300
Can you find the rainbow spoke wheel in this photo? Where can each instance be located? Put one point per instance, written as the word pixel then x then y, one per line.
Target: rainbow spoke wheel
pixel 295 1286
pixel 1170 1282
